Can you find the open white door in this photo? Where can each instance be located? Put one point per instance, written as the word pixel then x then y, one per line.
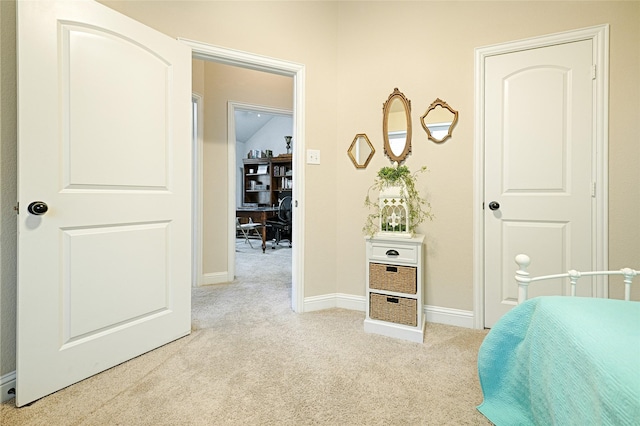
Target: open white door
pixel 104 140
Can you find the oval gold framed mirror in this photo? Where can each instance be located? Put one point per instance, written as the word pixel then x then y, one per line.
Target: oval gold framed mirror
pixel 361 151
pixel 396 126
pixel 439 120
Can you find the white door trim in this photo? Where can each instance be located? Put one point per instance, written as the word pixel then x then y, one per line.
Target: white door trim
pixel 242 59
pixel 232 106
pixel 600 37
pixel 196 214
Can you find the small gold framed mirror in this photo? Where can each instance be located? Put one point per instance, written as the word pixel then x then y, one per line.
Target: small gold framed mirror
pixel 439 120
pixel 361 151
pixel 396 126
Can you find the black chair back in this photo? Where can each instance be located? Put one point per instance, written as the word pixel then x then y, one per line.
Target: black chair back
pixel 284 209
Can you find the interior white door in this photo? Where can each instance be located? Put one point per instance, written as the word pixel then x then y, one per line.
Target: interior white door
pixel 104 140
pixel 539 128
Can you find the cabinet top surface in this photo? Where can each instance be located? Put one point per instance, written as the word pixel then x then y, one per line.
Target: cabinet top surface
pixel 416 239
pixel 266 160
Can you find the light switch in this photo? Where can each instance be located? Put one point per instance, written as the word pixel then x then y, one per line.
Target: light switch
pixel 313 156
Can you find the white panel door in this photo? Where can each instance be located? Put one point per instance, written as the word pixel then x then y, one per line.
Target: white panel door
pixel 538 168
pixel 104 140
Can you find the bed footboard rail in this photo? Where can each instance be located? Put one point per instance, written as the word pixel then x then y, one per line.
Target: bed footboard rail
pixel 523 279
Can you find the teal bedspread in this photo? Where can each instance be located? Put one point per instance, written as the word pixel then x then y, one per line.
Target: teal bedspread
pixel 563 361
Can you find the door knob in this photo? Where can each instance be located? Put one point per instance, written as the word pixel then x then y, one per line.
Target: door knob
pixel 37 208
pixel 494 205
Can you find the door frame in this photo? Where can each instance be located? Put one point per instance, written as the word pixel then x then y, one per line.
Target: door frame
pixel 209 52
pixel 599 207
pixel 232 106
pixel 196 176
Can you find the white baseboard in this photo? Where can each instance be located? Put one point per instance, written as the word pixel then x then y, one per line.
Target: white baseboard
pixel 435 314
pixel 335 300
pixel 216 278
pixel 349 301
pixel 449 316
pixel 7 382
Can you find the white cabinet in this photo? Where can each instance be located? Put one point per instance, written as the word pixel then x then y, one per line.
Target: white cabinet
pixel 394 287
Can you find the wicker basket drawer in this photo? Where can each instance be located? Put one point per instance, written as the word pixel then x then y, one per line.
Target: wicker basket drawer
pixel 392 278
pixel 400 310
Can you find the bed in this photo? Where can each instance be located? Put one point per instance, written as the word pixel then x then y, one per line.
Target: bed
pixel 558 360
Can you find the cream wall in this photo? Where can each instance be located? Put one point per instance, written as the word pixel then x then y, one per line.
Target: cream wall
pixel 355 53
pixel 430 55
pixel 197 77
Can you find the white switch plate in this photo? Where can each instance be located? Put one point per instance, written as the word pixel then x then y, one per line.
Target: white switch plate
pixel 313 156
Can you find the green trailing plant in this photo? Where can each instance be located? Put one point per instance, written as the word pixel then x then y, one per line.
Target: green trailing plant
pixel 400 176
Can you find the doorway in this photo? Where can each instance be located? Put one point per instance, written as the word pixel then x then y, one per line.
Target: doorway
pixel 540 57
pixel 262 129
pixel 250 61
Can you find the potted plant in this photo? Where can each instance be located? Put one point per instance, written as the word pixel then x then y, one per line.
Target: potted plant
pixel 399 208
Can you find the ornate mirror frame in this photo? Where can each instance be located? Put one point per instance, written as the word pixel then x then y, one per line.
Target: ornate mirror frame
pixel 354 150
pixel 386 111
pixel 439 103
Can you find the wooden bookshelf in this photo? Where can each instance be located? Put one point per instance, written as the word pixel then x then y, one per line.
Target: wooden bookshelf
pixel 267 180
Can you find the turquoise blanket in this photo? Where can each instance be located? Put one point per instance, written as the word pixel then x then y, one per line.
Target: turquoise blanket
pixel 563 361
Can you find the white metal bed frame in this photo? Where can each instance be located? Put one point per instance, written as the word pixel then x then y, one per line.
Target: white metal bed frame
pixel 523 279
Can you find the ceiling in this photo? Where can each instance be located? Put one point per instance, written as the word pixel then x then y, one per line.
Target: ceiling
pixel 249 122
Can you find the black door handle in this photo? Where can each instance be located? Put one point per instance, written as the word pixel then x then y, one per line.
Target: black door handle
pixel 37 208
pixel 494 205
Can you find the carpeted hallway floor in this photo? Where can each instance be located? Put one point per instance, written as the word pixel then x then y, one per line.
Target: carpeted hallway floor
pixel 250 360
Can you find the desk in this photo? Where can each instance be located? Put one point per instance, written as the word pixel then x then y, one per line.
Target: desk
pixel 258 215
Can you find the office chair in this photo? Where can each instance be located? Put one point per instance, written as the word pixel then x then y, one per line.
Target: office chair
pixel 246 228
pixel 281 224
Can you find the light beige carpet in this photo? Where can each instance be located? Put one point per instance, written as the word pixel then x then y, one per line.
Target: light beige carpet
pixel 251 361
